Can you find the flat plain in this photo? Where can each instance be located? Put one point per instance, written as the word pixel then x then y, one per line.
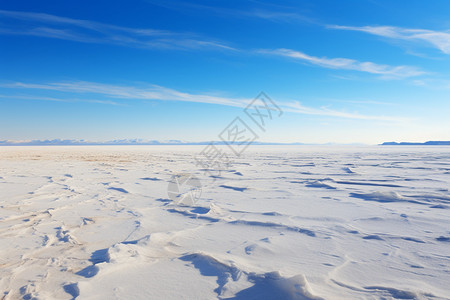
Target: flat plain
pixel 284 222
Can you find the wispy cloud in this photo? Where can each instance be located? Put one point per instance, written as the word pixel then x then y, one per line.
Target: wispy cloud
pixel 51 26
pixel 437 39
pixel 149 92
pixel 155 92
pixel 273 12
pixel 67 100
pixel 277 16
pixel 349 64
pixel 297 107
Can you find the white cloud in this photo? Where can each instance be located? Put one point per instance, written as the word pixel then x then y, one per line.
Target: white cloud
pixel 349 64
pixel 155 92
pixel 267 11
pixel 438 39
pixel 51 26
pixel 297 107
pixel 53 99
pixel 150 92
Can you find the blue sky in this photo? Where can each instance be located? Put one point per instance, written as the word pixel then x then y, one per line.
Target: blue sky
pixel 348 71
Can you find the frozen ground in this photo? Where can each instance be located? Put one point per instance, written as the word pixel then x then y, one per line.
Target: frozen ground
pixel 281 223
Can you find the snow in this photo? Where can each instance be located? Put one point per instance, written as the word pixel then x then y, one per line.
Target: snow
pixel 284 222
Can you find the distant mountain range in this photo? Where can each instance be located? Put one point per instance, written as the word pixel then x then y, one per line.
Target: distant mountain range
pixel 429 143
pixel 59 142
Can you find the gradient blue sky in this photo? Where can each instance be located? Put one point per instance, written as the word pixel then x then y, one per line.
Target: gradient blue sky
pixel 342 71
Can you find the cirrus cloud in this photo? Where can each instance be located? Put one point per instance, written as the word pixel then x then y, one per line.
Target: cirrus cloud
pixel 86 31
pixel 437 39
pixel 155 92
pixel 385 71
